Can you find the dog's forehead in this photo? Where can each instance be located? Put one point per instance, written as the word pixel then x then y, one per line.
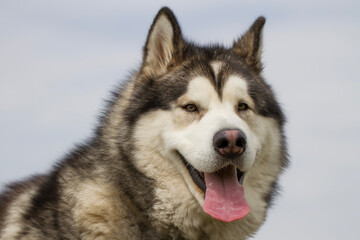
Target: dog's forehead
pixel 220 86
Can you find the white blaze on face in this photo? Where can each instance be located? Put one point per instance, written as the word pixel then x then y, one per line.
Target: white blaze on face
pixel 216 66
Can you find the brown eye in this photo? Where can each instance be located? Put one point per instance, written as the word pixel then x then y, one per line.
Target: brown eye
pixel 190 108
pixel 243 107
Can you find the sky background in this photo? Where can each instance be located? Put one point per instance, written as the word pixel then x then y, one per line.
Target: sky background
pixel 60 59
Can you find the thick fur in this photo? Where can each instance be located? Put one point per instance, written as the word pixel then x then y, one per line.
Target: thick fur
pixel 129 180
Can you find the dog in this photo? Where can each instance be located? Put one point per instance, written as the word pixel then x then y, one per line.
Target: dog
pixel 190 147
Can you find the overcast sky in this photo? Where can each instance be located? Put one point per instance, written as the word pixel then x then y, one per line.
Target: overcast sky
pixel 60 59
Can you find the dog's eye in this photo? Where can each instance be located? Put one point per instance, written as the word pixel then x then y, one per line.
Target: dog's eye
pixel 243 107
pixel 190 108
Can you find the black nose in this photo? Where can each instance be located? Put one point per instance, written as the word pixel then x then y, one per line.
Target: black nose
pixel 230 143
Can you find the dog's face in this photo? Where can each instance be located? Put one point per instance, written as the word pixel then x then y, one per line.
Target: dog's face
pixel 208 112
pixel 202 119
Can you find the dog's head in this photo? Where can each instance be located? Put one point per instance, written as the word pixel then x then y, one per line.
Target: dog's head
pixel 209 113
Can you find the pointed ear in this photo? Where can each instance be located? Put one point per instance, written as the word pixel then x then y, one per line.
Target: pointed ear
pixel 249 46
pixel 163 45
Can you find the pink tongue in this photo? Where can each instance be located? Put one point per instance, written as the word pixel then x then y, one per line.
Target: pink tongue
pixel 224 198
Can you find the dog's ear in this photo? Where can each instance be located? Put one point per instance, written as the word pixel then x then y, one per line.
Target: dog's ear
pixel 249 46
pixel 163 45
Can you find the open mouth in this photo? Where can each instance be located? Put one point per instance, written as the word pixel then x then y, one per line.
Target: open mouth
pixel 224 193
pixel 199 177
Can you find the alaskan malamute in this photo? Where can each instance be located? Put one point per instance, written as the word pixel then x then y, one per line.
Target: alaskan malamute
pixel 191 147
